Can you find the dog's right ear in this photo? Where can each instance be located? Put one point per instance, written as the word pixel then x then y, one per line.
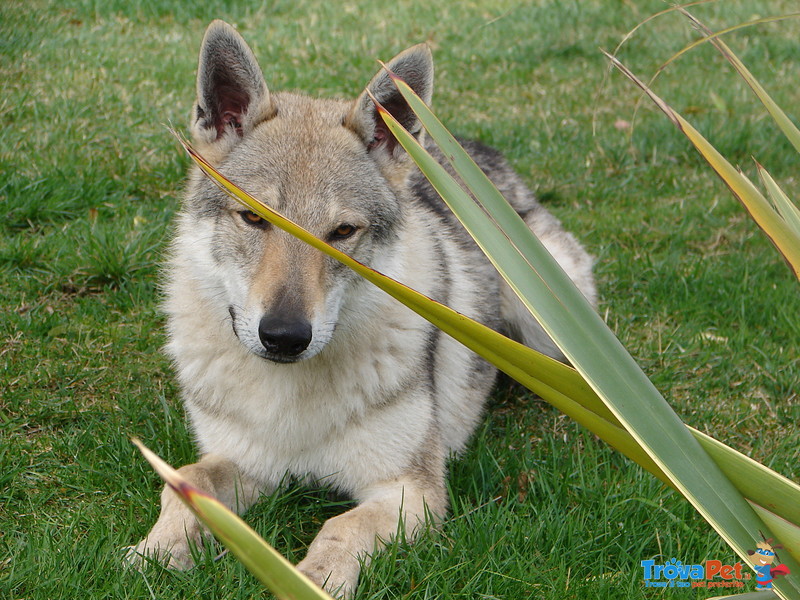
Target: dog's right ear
pixel 232 96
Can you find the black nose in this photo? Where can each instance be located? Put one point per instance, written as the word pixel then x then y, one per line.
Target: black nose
pixel 284 337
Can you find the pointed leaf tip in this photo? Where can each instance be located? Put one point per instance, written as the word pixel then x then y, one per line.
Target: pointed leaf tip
pixel 165 471
pixel 170 475
pixel 188 148
pixel 392 75
pixel 378 106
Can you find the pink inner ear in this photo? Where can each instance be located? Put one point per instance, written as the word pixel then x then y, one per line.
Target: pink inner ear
pixel 231 105
pixel 382 137
pixel 229 118
pixel 379 137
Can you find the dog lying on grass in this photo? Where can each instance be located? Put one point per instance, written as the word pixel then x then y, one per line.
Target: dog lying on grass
pixel 288 362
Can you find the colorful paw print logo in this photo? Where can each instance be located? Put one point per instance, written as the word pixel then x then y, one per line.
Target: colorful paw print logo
pixel 766 571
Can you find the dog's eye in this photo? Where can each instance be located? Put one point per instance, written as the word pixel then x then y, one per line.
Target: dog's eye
pixel 343 231
pixel 253 219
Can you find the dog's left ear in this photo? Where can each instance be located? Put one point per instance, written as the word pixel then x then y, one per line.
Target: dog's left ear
pixel 415 67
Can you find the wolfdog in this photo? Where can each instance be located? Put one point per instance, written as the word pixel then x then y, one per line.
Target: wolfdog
pixel 289 364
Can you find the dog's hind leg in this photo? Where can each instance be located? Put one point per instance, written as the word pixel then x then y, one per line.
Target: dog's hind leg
pixel 399 507
pixel 177 529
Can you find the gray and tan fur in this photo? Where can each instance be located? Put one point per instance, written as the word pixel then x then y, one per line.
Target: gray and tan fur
pixel 291 364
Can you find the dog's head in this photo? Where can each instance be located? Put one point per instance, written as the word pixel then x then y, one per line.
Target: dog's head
pixel 331 166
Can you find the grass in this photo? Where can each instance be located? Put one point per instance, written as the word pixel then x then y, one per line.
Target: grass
pixel 89 179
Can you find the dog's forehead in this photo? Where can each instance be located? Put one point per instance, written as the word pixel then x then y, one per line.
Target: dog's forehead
pixel 305 144
pixel 305 138
pixel 305 154
pixel 297 108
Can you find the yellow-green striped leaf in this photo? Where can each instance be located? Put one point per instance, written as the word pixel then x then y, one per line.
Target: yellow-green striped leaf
pixel 786 209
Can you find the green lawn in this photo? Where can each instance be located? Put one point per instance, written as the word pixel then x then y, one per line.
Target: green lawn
pixel 89 180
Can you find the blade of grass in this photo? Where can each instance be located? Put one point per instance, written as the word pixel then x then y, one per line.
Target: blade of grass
pixel 710 36
pixel 593 349
pixel 776 229
pixel 652 17
pixel 261 559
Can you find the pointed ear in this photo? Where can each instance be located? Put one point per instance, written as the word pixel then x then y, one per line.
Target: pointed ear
pixel 415 66
pixel 232 96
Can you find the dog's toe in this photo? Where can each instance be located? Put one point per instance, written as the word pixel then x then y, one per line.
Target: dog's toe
pixel 175 556
pixel 337 581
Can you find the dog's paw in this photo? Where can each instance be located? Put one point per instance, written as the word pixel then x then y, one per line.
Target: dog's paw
pixel 176 554
pixel 338 576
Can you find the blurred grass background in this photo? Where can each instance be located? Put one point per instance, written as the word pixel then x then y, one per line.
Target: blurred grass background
pixel 89 180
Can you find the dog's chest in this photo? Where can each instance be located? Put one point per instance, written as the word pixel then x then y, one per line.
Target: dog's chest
pixel 346 414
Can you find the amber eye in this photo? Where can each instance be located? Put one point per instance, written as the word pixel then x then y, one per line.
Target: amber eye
pixel 252 218
pixel 343 231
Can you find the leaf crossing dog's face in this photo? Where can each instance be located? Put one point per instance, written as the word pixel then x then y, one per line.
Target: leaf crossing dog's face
pixel 330 166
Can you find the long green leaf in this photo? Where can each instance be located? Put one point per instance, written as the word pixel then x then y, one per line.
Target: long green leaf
pixel 758 483
pixel 773 497
pixel 789 534
pixel 596 353
pixel 507 222
pixel 261 559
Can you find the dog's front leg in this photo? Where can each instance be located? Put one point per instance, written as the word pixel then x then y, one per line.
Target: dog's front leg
pixel 170 539
pixel 333 557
